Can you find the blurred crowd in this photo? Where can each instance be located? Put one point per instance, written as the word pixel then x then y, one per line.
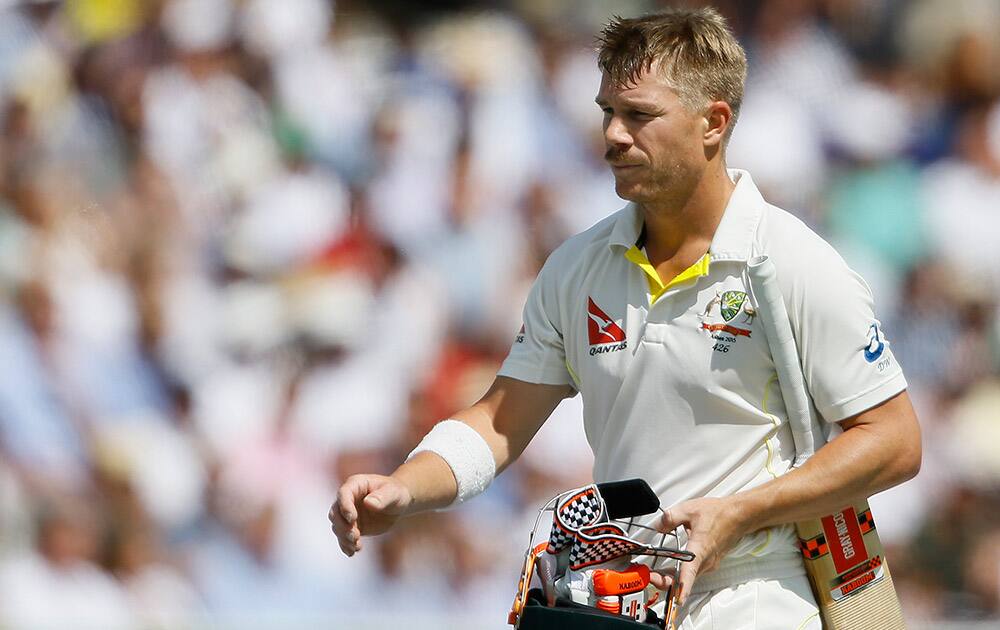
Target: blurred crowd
pixel 251 247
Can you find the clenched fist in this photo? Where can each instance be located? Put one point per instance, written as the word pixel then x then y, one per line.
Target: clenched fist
pixel 367 505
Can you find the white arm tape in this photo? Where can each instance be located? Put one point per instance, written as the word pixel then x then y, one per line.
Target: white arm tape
pixel 465 451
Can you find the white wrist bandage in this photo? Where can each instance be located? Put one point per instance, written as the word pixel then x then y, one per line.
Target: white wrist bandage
pixel 465 451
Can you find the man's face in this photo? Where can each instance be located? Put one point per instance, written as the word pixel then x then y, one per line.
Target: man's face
pixel 652 142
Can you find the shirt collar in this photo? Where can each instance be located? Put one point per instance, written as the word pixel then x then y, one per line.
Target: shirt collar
pixel 628 226
pixel 733 238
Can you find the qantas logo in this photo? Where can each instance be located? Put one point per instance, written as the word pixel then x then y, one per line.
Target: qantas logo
pixel 602 331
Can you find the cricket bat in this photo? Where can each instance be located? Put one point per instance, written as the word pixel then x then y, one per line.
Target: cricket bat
pixel 843 555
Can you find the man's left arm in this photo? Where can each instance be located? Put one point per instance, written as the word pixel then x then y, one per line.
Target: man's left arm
pixel 878 449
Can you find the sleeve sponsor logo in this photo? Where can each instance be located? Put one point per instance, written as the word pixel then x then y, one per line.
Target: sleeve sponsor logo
pixel 520 335
pixel 876 344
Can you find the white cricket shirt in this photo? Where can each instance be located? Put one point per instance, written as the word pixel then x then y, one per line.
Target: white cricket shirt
pixel 678 384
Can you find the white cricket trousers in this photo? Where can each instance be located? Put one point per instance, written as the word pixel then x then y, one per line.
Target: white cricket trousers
pixel 781 604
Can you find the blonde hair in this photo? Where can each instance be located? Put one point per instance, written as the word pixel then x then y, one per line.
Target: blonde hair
pixel 697 53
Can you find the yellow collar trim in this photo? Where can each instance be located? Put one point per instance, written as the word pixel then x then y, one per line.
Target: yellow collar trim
pixel 656 286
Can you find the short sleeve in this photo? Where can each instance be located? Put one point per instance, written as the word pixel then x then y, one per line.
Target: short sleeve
pixel 846 359
pixel 538 354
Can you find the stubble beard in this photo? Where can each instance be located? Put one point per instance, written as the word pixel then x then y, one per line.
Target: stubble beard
pixel 656 186
pixel 671 188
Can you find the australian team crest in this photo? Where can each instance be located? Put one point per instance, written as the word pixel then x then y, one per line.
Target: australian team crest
pixel 726 332
pixel 731 303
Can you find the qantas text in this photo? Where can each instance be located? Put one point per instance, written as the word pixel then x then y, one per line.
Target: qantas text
pixel 609 348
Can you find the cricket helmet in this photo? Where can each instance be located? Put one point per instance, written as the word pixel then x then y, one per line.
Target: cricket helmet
pixel 594 569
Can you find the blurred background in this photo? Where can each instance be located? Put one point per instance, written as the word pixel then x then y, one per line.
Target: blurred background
pixel 251 247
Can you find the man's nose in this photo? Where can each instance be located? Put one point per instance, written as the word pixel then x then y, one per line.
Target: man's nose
pixel 616 135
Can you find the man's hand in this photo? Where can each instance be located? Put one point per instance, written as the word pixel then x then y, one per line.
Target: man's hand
pixel 879 448
pixel 507 417
pixel 367 505
pixel 713 528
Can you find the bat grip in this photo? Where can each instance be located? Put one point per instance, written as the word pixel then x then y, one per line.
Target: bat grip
pixel 770 306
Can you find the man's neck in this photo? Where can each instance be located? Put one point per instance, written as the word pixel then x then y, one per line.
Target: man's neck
pixel 683 227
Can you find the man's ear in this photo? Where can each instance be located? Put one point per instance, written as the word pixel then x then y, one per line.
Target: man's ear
pixel 718 117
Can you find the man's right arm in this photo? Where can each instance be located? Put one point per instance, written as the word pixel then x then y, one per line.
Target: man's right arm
pixel 506 417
